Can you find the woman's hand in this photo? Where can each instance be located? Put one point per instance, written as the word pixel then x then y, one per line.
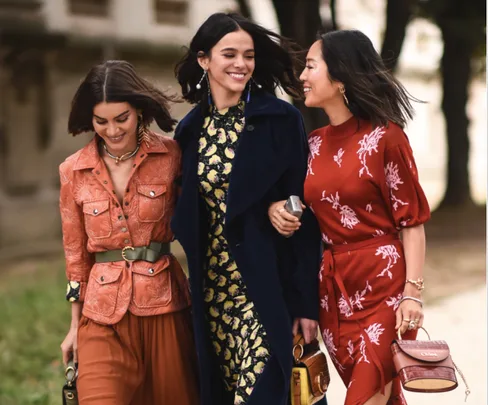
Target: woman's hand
pixel 285 223
pixel 69 347
pixel 308 328
pixel 409 316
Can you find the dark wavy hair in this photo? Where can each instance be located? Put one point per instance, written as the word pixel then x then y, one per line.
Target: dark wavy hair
pixel 276 57
pixel 373 93
pixel 116 81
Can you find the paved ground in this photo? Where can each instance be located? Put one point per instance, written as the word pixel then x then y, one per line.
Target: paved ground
pixel 461 321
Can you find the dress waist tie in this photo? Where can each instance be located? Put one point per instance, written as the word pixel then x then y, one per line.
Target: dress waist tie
pixel 332 276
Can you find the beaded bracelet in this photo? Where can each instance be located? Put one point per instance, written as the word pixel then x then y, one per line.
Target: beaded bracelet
pixel 412 299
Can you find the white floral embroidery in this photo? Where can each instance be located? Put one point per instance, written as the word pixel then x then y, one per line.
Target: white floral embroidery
pixel 369 207
pixel 394 301
pixel 348 215
pixel 329 343
pixel 388 252
pixel 338 157
pixel 324 303
pixel 374 332
pixel 347 310
pixel 321 272
pixel 350 383
pixel 314 144
pixel 326 239
pixel 368 144
pixel 393 180
pixel 350 349
pixel 344 308
pixel 379 232
pixel 362 350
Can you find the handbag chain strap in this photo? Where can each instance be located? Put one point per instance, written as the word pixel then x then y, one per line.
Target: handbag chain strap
pixel 467 391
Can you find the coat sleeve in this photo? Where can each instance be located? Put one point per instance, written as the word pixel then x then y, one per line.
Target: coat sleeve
pixel 78 260
pixel 302 297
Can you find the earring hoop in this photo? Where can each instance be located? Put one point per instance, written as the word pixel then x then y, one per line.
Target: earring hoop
pixel 342 89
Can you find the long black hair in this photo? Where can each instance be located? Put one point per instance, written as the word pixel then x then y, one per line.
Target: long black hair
pixel 373 93
pixel 276 57
pixel 116 81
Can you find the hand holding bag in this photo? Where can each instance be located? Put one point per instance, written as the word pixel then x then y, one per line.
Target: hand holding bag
pixel 425 365
pixel 310 376
pixel 70 394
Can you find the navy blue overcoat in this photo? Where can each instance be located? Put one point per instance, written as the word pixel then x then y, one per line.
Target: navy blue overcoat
pixel 280 274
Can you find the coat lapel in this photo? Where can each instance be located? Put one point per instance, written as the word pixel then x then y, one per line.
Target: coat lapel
pixel 258 163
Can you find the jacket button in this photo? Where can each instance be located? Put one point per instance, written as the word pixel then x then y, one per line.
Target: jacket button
pixel 152 193
pixel 151 271
pixel 250 127
pixel 124 229
pixel 102 279
pixel 95 211
pixel 120 217
pixel 126 241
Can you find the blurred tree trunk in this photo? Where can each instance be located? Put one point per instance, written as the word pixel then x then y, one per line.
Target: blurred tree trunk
pixel 463 27
pixel 244 8
pixel 398 15
pixel 456 72
pixel 301 21
pixel 333 15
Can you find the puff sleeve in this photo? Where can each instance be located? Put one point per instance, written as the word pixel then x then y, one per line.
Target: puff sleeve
pixel 402 191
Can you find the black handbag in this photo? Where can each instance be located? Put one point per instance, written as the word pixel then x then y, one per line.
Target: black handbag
pixel 70 395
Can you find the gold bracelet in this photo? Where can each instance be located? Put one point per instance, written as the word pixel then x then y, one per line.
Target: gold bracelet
pixel 419 283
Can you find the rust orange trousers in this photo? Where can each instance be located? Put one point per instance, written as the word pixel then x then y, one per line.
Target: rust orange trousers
pixel 147 360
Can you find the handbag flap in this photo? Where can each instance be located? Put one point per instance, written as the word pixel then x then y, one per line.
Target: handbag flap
pixel 317 371
pixel 431 351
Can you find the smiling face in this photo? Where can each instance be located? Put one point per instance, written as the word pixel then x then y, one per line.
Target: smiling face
pixel 116 124
pixel 318 87
pixel 230 64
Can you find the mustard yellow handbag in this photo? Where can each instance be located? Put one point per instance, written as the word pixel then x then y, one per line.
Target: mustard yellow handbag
pixel 310 376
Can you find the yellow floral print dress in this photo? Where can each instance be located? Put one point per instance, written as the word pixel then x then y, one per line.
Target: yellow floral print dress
pixel 238 337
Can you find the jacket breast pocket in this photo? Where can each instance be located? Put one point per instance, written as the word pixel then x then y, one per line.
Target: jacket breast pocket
pixel 151 199
pixel 151 283
pixel 103 289
pixel 98 224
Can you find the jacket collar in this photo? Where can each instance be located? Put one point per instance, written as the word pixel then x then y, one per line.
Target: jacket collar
pixel 261 104
pixel 89 156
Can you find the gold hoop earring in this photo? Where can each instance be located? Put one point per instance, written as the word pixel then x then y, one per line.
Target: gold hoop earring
pixel 142 132
pixel 342 89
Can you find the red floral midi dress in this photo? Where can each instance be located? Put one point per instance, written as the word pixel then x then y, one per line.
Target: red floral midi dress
pixel 362 184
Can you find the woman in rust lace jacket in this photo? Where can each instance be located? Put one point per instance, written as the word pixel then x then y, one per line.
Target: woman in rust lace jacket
pixel 131 330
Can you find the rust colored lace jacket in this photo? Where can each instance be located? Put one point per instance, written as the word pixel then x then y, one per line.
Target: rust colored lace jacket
pixel 93 220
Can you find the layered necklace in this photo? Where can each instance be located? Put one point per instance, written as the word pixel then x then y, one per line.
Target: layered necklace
pixel 125 156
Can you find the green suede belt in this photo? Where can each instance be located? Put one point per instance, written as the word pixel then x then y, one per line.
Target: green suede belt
pixel 150 253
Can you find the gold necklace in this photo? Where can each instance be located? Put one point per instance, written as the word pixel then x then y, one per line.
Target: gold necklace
pixel 125 156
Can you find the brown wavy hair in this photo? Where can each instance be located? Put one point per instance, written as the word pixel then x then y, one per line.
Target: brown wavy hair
pixel 116 81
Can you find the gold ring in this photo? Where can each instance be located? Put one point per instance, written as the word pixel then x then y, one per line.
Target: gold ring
pixel 406 320
pixel 123 253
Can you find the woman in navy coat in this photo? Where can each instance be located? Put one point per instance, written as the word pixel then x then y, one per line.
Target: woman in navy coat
pixel 242 149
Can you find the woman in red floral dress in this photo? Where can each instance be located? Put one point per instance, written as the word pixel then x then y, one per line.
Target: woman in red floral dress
pixel 362 185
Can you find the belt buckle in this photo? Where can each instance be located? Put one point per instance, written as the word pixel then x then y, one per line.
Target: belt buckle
pixel 123 253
